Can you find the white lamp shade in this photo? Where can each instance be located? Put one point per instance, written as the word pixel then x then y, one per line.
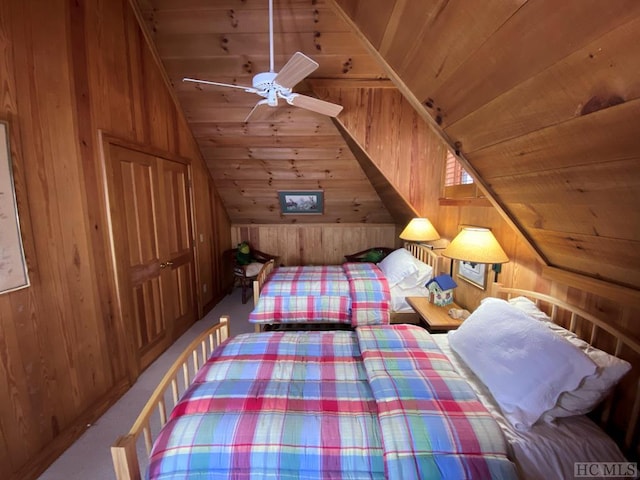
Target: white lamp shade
pixel 419 230
pixel 476 245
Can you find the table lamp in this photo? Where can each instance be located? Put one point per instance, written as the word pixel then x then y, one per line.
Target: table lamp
pixel 419 230
pixel 476 245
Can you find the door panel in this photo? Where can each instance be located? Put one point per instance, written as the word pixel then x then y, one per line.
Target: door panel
pixel 179 246
pixel 151 224
pixel 139 182
pixel 147 312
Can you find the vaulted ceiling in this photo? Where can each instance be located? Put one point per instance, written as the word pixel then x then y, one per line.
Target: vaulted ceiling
pixel 294 149
pixel 539 98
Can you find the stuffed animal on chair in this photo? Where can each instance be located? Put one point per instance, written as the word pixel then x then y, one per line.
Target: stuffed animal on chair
pixel 243 254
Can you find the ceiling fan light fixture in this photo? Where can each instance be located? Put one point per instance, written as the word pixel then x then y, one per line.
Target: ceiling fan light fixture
pixel 271 85
pixel 264 80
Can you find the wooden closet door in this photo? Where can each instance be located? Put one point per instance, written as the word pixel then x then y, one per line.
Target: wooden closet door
pixel 178 263
pixel 151 224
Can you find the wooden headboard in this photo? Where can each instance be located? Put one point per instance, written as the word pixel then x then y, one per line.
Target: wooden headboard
pixel 427 255
pixel 618 415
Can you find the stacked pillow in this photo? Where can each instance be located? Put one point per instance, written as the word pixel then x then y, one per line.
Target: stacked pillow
pixel 594 388
pixel 404 270
pixel 535 369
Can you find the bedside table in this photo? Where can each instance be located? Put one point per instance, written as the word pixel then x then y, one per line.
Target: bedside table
pixel 436 318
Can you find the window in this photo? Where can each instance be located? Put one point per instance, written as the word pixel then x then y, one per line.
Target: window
pixel 454 173
pixel 457 182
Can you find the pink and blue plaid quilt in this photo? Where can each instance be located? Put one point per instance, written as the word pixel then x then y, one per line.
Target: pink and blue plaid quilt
pixel 432 424
pixel 370 296
pixel 380 402
pixel 356 293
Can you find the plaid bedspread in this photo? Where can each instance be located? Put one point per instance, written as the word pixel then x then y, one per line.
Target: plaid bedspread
pixel 288 405
pixel 432 424
pixel 349 293
pixel 370 297
pixel 305 405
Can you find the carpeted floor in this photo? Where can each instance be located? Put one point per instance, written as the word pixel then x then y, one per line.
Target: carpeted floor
pixel 89 458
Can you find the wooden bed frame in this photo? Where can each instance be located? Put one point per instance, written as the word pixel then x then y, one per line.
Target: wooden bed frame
pixel 423 253
pixel 626 397
pixel 124 451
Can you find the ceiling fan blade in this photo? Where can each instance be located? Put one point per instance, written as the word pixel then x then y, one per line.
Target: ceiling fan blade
pixel 297 68
pixel 261 112
pixel 207 82
pixel 314 104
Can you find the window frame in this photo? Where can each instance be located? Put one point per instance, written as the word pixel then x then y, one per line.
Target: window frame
pixel 462 188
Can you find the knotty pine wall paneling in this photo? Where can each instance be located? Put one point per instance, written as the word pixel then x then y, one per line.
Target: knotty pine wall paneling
pixel 212 238
pixel 70 70
pixel 315 244
pixel 548 129
pixel 524 270
pixel 410 154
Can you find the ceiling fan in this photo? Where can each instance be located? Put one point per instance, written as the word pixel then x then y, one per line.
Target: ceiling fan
pixel 273 85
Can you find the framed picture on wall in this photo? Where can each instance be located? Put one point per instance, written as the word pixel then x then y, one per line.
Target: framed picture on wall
pixel 294 202
pixel 13 267
pixel 473 273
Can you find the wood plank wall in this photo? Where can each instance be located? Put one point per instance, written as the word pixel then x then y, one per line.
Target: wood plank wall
pixel 319 244
pixel 69 70
pixel 411 155
pixel 418 153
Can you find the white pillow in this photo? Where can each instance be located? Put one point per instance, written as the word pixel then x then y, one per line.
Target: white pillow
pixel 594 388
pixel 529 307
pixel 523 363
pixel 418 278
pixel 398 265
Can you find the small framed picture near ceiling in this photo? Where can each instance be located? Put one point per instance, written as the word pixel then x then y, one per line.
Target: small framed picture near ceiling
pixel 474 273
pixel 298 202
pixel 13 267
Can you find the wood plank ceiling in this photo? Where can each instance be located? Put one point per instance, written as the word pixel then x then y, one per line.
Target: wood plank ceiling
pixel 294 149
pixel 539 97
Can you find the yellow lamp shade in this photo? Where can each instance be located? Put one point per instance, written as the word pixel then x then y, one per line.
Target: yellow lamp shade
pixel 419 230
pixel 476 245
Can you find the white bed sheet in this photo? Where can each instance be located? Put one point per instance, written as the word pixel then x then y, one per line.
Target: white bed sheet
pixel 547 451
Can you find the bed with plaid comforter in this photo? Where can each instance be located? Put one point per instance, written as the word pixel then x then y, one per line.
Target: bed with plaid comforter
pixel 378 402
pixel 351 293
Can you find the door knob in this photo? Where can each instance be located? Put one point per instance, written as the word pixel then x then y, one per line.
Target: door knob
pixel 166 264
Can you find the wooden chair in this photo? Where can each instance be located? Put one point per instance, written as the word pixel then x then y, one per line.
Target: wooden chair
pixel 244 275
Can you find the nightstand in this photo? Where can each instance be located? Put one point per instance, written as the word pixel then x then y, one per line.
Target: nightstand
pixel 436 318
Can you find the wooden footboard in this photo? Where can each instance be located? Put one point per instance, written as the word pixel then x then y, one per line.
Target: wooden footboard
pixel 166 395
pixel 263 274
pixel 625 398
